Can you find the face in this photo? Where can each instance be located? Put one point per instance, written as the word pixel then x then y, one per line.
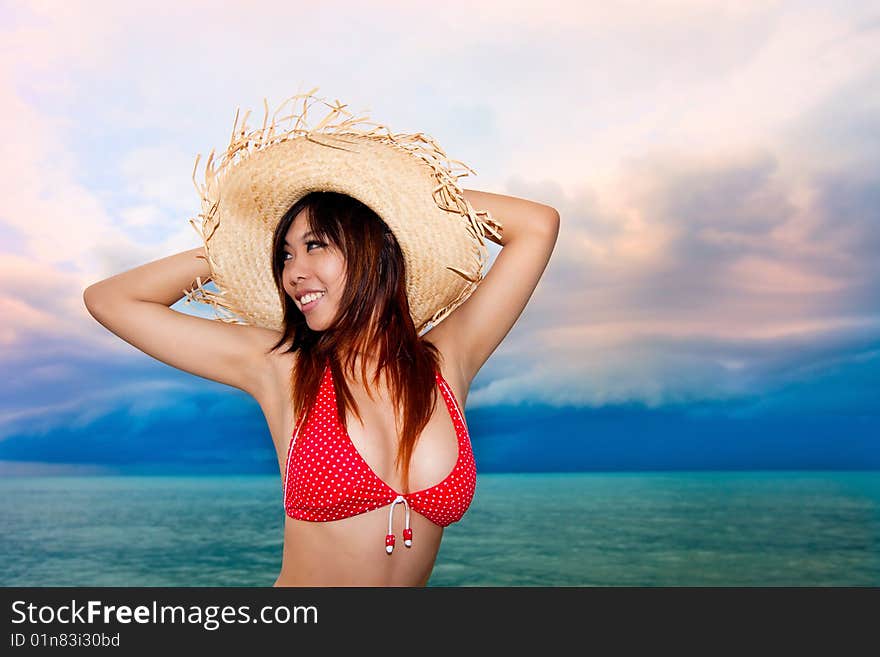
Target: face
pixel 310 264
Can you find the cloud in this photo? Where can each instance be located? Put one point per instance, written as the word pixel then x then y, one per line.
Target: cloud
pixel 713 166
pixel 137 401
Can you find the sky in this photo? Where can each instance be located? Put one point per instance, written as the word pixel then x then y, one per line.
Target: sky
pixel 713 300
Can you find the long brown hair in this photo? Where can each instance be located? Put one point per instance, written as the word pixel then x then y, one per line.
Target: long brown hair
pixel 373 318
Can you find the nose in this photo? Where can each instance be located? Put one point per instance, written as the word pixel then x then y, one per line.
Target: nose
pixel 295 273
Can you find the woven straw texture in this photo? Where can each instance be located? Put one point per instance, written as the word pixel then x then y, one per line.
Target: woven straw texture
pixel 405 178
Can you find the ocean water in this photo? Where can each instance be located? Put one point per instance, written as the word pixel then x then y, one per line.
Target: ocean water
pixel 572 529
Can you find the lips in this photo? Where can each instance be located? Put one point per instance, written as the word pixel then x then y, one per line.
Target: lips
pixel 309 306
pixel 300 295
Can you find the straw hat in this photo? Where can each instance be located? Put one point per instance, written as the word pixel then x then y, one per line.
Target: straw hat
pixel 405 178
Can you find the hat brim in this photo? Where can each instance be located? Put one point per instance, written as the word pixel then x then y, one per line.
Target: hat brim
pixel 408 185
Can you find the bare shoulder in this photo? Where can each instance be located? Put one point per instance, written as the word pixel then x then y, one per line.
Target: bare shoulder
pixel 275 364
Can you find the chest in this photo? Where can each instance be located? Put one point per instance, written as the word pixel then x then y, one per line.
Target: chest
pixel 374 436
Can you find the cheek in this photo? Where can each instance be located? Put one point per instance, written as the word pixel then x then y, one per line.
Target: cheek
pixel 341 277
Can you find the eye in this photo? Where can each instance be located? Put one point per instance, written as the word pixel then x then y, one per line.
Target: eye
pixel 286 257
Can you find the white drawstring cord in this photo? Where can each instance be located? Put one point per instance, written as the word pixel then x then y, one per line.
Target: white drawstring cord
pixel 407 532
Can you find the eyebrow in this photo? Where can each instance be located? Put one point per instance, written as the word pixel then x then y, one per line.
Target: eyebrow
pixel 304 237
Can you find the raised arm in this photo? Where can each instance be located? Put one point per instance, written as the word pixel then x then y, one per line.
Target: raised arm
pixel 473 331
pixel 517 215
pixel 135 306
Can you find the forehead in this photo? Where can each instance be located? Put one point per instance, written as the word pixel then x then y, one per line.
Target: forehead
pixel 299 228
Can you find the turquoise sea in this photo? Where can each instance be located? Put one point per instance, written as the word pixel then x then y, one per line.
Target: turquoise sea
pixel 573 529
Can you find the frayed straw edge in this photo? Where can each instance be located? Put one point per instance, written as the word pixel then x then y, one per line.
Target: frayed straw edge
pixel 199 293
pixel 447 195
pixel 492 227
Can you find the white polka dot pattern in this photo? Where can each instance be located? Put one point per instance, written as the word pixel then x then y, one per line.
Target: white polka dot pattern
pixel 326 478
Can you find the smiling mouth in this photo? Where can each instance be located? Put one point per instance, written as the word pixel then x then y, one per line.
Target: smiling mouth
pixel 306 307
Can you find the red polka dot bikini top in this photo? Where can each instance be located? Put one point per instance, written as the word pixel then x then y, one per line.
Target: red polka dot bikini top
pixel 326 478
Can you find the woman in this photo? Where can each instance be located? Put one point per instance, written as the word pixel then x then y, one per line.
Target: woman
pixel 348 341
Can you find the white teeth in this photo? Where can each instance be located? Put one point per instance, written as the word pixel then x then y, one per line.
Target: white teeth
pixel 308 298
